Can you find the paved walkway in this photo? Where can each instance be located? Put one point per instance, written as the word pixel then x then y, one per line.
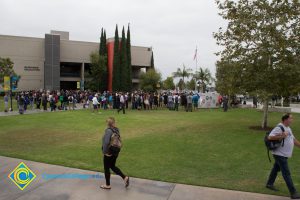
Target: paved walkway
pixel 42 188
pixel 35 111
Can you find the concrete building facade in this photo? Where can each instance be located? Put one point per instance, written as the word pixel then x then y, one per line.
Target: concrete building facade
pixel 55 62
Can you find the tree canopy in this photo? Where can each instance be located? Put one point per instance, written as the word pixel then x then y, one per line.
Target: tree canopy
pixel 182 73
pixel 6 68
pixel 149 81
pixel 98 68
pixel 168 83
pixel 261 44
pixel 204 77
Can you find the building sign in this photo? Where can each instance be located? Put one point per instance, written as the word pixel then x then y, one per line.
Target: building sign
pixel 31 68
pixel 78 85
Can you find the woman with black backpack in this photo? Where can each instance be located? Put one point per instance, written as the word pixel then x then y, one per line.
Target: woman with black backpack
pixel 111 145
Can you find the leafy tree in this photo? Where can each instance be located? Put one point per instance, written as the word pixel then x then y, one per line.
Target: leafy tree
pixel 182 73
pixel 261 41
pixel 205 78
pixel 129 67
pixel 6 68
pixel 191 84
pixel 228 76
pixel 98 67
pixel 181 84
pixel 168 83
pixel 116 64
pixel 150 80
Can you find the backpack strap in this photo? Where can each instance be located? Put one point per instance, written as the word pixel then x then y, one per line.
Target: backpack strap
pixel 268 152
pixel 115 130
pixel 282 129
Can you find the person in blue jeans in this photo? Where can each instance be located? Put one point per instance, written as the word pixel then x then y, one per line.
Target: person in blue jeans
pixel 282 153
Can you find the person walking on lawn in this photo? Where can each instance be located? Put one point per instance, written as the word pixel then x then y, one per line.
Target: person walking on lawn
pixel 282 153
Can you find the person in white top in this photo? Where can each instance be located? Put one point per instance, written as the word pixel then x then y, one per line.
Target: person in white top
pixel 122 103
pixel 282 153
pixel 95 103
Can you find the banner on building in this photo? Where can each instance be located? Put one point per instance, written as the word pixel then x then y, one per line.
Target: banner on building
pixel 78 85
pixel 1 84
pixel 6 83
pixel 14 83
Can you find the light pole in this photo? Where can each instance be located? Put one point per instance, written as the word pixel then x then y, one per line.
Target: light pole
pixel 10 82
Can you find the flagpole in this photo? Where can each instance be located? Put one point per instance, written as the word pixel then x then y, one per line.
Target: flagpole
pixel 196 69
pixel 196 57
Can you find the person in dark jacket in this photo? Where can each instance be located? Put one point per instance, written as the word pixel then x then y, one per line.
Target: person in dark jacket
pixel 109 160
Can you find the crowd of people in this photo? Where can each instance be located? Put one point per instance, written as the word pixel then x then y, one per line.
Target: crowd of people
pixel 70 99
pixel 121 101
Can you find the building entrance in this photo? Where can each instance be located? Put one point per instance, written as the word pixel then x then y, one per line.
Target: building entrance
pixel 68 85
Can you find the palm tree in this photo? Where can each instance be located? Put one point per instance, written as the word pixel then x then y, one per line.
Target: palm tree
pixel 182 73
pixel 204 76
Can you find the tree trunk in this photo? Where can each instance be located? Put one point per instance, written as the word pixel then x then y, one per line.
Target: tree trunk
pixel 265 117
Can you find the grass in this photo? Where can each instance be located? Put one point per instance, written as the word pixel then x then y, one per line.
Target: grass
pixel 207 148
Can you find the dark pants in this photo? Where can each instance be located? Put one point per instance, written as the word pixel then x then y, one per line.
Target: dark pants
pixel 122 107
pixel 176 106
pixel 225 106
pixel 281 164
pixel 189 107
pixel 110 163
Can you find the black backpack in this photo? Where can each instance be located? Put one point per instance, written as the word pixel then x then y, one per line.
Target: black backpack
pixel 115 143
pixel 273 144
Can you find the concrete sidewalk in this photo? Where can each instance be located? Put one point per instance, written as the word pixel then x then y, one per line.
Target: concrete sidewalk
pixel 29 111
pixel 88 189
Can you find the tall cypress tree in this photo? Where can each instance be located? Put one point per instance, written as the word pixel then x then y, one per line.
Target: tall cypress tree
pixel 103 54
pixel 105 76
pixel 129 67
pixel 101 39
pixel 116 63
pixel 152 61
pixel 123 62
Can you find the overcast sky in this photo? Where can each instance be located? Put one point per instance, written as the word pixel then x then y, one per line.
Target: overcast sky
pixel 173 28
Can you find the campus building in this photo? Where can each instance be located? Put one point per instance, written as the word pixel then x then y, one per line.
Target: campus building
pixel 55 62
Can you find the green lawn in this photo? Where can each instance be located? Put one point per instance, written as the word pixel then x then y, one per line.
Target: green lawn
pixel 207 148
